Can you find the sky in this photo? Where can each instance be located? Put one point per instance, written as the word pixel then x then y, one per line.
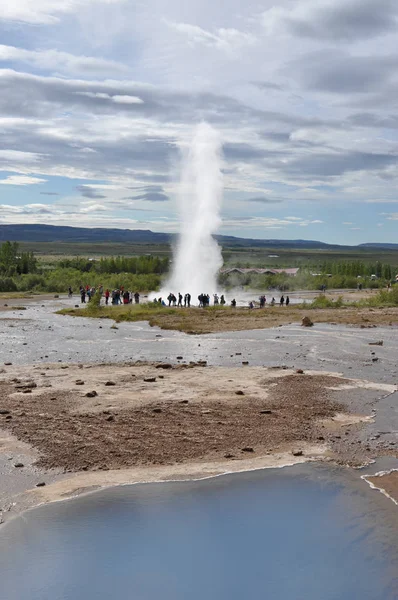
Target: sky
pixel 97 98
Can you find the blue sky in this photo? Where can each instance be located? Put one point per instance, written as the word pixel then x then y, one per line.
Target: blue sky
pixel 97 97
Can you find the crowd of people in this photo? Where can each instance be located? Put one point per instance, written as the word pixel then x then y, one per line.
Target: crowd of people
pixel 122 296
pixel 119 296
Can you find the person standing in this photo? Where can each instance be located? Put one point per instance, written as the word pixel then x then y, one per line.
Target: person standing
pixel 107 294
pixel 137 297
pixel 282 300
pixel 287 301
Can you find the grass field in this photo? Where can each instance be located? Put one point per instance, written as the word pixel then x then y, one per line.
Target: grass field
pixel 214 319
pixel 52 251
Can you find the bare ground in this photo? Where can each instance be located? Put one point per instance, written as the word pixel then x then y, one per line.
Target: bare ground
pixel 199 321
pixel 187 414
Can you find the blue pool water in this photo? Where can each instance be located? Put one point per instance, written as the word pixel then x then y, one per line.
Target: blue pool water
pixel 307 532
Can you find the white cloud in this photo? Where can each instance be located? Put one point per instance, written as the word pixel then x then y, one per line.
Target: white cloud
pixel 227 39
pixel 54 60
pixel 21 180
pixel 45 12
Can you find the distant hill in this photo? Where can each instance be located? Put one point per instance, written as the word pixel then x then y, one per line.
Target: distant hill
pixel 385 246
pixel 54 233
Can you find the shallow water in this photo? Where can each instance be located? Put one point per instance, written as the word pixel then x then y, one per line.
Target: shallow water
pixel 308 532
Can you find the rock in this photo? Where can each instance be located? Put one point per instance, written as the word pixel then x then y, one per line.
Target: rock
pixel 299 371
pixel 29 391
pixel 92 394
pixel 321 438
pixel 157 410
pixel 150 379
pixel 375 359
pixel 247 449
pixel 56 295
pixel 228 455
pixel 8 364
pixel 245 362
pixel 306 322
pixel 76 306
pixel 379 343
pixel 8 418
pixel 183 401
pixel 19 465
pixel 4 411
pixel 239 393
pixel 164 366
pixel 40 484
pixel 27 386
pixel 110 418
pixel 266 411
pixel 180 357
pixel 298 453
pixel 110 383
pixel 79 382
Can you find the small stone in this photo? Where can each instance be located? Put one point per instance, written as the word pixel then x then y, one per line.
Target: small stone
pixel 164 366
pixel 8 417
pixel 306 322
pixel 110 383
pixel 79 382
pixel 299 371
pixel 8 364
pixel 27 391
pixel 110 418
pixel 40 484
pixel 245 362
pixel 266 411
pixel 247 449
pixel 150 379
pixel 92 394
pixel 239 393
pixel 157 410
pixel 183 401
pixel 19 465
pixel 180 357
pixel 321 438
pixel 228 455
pixel 298 453
pixel 375 359
pixel 4 411
pixel 379 343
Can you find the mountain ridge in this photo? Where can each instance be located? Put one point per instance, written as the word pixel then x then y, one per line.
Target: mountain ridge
pixel 60 233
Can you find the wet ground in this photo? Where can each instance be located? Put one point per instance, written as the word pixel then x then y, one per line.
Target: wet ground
pixel 37 335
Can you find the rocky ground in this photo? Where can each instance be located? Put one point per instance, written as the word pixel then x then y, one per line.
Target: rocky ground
pixel 243 404
pixel 79 418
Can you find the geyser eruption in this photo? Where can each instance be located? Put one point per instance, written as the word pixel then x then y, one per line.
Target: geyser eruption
pixel 198 258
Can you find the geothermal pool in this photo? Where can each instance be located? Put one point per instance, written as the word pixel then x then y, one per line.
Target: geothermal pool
pixel 307 532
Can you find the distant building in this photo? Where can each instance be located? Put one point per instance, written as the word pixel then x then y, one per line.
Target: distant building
pixel 290 272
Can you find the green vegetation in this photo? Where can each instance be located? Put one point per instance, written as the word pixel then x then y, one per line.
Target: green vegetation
pixel 143 267
pixel 22 272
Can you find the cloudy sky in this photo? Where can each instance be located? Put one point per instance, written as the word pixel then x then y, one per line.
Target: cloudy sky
pixel 97 96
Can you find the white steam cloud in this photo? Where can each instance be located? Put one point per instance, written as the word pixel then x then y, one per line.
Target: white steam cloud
pixel 198 256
